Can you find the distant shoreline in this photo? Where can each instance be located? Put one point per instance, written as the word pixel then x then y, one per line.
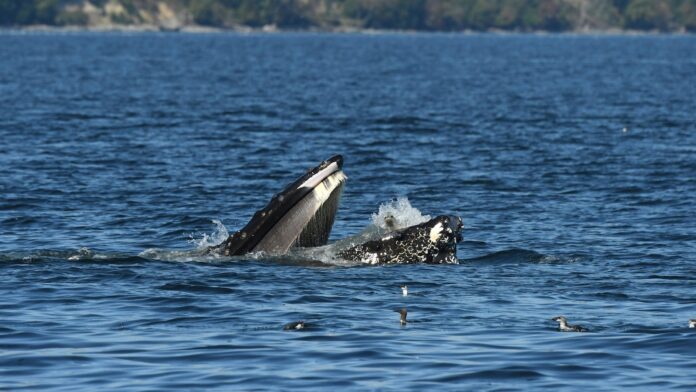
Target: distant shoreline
pixel 196 29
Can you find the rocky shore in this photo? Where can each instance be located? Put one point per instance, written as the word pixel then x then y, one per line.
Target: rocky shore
pixel 363 16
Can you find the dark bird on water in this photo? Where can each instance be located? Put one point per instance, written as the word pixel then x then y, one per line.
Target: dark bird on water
pixel 295 325
pixel 563 325
pixel 403 313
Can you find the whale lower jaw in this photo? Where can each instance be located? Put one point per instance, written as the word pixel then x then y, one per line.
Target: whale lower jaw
pixel 309 222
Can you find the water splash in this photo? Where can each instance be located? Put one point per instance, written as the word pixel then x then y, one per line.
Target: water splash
pixel 398 214
pixel 196 255
pixel 201 241
pixel 218 235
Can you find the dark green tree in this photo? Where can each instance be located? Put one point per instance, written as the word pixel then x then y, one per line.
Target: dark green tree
pixel 686 15
pixel 207 12
pixel 648 15
pixel 389 14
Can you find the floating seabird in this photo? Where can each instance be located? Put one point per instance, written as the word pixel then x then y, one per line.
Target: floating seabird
pixel 295 325
pixel 390 222
pixel 563 325
pixel 403 313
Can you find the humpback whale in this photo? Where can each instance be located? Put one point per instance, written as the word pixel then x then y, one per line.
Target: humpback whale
pixel 302 215
pixel 431 242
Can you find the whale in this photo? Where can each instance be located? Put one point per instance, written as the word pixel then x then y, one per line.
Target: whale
pixel 431 242
pixel 303 213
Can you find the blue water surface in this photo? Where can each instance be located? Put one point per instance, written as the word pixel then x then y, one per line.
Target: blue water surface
pixel 571 160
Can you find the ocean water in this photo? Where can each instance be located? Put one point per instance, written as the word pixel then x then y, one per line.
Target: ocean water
pixel 571 160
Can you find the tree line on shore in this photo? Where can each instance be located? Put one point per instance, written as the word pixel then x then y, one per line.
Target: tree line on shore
pixel 427 15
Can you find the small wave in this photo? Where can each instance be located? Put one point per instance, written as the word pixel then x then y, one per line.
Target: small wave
pixel 196 287
pixel 609 295
pixel 44 255
pixel 516 255
pixel 194 255
pixel 503 373
pixel 400 120
pixel 510 256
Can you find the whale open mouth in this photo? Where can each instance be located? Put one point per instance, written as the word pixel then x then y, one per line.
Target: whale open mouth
pixel 302 215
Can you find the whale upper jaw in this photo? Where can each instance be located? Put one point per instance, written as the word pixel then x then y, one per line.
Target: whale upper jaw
pixel 431 242
pixel 301 215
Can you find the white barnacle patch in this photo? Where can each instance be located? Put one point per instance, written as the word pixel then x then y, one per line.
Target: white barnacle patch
pixel 371 258
pixel 435 232
pixel 388 237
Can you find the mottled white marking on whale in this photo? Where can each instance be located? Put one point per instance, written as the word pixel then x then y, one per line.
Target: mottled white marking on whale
pixel 435 232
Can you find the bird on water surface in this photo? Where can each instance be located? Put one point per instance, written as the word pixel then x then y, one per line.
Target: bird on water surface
pixel 563 325
pixel 403 314
pixel 295 325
